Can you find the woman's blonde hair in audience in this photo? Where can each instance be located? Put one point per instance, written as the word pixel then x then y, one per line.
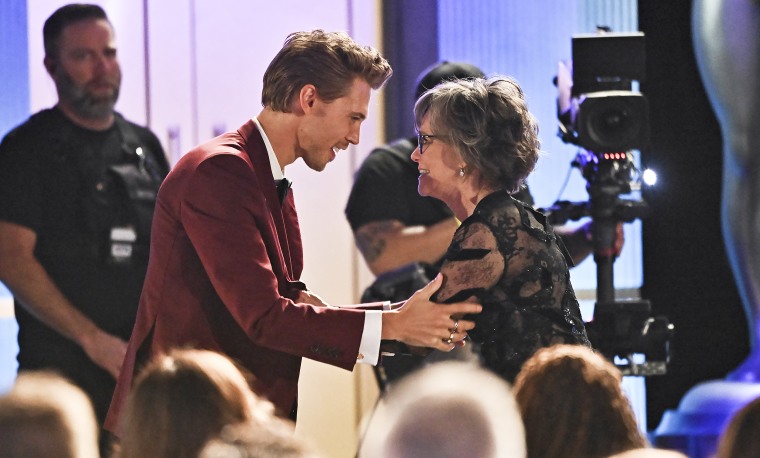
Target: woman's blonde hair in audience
pixel 45 415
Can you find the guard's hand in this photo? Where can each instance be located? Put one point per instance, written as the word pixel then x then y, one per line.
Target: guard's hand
pixel 580 241
pixel 619 239
pixel 107 351
pixel 423 323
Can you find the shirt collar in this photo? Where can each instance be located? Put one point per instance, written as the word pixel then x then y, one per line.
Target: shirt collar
pixel 277 172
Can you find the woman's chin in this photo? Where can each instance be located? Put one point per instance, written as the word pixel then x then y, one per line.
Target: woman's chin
pixel 422 187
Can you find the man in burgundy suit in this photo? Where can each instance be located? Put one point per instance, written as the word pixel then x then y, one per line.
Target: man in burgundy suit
pixel 226 252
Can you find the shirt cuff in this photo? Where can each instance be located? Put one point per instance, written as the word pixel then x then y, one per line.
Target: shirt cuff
pixel 369 348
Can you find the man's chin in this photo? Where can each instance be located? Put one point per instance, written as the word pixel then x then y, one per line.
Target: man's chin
pixel 318 167
pixel 96 109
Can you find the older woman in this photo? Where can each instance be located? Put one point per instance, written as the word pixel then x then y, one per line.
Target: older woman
pixel 477 144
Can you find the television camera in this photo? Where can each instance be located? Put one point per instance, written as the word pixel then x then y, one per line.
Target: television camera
pixel 600 112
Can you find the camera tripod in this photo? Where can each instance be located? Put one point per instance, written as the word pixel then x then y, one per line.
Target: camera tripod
pixel 620 328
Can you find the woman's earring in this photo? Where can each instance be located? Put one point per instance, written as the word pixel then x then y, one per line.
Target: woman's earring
pixel 461 171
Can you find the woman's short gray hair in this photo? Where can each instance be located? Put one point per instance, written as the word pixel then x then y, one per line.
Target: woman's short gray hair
pixel 487 121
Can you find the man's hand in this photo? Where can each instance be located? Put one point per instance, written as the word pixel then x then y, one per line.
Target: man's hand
pixel 422 323
pixel 105 350
pixel 308 297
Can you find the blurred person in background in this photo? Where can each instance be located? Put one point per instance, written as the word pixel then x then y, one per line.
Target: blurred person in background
pixel 45 415
pixel 573 405
pixel 741 438
pixel 448 410
pixel 183 399
pixel 256 440
pixel 78 186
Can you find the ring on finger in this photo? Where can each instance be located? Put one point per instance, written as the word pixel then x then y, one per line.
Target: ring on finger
pixel 450 339
pixel 456 326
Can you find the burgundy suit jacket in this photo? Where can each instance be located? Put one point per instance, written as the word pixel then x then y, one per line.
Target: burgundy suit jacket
pixel 225 262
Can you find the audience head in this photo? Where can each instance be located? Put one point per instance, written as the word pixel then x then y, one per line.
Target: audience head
pixel 488 125
pixel 181 400
pixel 448 409
pixel 741 437
pixel 573 405
pixel 445 71
pixel 254 440
pixel 45 415
pixel 331 61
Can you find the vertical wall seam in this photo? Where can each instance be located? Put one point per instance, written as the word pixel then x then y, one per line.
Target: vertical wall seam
pixel 146 57
pixel 194 72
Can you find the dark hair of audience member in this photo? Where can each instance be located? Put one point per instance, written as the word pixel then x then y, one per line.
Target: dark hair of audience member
pixel 742 435
pixel 183 399
pixel 573 405
pixel 44 415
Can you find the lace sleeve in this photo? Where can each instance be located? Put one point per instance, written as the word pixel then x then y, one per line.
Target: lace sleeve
pixel 473 263
pixel 507 257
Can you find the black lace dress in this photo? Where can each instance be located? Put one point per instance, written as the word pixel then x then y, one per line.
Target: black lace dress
pixel 507 255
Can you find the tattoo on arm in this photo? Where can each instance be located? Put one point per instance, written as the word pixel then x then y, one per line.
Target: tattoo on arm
pixel 370 238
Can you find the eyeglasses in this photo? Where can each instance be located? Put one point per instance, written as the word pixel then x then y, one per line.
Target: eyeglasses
pixel 423 140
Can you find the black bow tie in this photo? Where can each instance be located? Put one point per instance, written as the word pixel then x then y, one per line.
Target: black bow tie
pixel 282 188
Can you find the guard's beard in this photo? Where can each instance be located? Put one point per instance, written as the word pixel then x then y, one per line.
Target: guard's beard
pixel 83 102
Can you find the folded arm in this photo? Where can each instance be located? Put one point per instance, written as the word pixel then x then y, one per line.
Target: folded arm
pixel 387 245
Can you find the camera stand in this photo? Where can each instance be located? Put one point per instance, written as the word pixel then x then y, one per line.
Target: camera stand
pixel 620 328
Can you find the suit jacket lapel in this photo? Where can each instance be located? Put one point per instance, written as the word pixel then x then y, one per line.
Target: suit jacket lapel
pixel 256 150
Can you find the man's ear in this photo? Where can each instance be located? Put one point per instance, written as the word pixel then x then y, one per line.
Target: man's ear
pixel 307 97
pixel 50 65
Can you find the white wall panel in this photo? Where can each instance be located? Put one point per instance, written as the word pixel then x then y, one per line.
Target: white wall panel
pixel 171 83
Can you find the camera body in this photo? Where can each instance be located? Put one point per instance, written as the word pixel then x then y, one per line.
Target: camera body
pixel 597 106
